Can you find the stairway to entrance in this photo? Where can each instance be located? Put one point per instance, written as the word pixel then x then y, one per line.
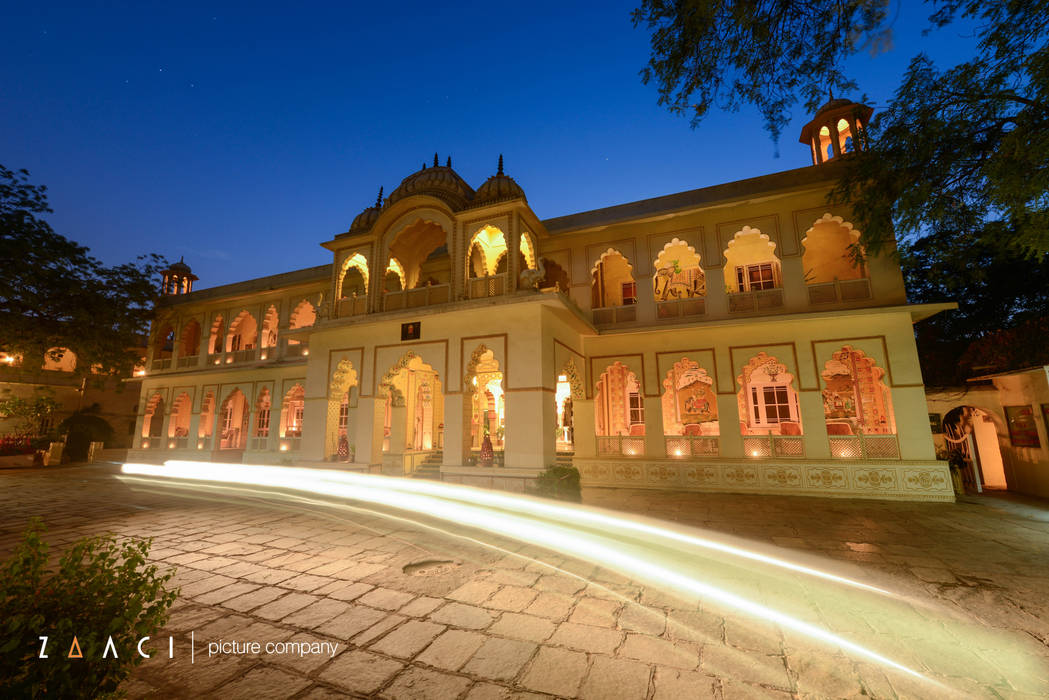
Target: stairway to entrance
pixel 429 468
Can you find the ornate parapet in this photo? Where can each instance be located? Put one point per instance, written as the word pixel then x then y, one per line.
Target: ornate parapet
pixel 896 481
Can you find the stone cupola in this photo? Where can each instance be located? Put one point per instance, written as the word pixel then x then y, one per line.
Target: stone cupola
pixel 837 129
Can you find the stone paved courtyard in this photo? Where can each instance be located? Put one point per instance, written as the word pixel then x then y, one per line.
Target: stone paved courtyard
pixel 421 612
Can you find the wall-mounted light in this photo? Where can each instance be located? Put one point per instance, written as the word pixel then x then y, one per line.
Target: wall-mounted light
pixel 171 445
pixel 284 447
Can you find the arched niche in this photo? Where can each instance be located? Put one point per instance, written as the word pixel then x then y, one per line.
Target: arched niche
pixel 217 336
pixel 243 333
pixel 263 408
pixel 303 316
pixel 207 418
pixel 751 263
pixel 163 342
pixel 678 274
pixel 233 421
pixel 555 277
pixel 270 331
pixel 153 419
pixel 486 249
pixel 293 410
pixel 414 406
pixel 483 381
pixel 528 252
pixel 612 281
pixel 181 412
pixel 394 281
pixel 831 251
pixel 353 277
pixel 421 247
pixel 337 425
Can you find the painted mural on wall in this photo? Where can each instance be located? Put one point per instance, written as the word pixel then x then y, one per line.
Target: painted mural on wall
pixel 690 404
pixel 855 399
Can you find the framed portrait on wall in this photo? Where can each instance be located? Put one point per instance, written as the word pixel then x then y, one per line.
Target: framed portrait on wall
pixel 1022 429
pixel 936 423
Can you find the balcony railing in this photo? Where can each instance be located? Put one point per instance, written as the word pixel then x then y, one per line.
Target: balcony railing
pixel 259 443
pixel 864 447
pixel 764 446
pixel 755 300
pixel 161 364
pixel 491 286
pixel 839 290
pixel 622 445
pixel 680 446
pixel 696 306
pixel 188 361
pixel 241 355
pixel 353 306
pixel 215 358
pixel 178 443
pixel 614 314
pixel 417 298
pixel 290 444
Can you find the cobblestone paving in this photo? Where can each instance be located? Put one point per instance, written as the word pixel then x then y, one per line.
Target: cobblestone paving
pixel 420 613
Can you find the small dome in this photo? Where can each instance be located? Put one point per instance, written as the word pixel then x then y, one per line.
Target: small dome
pixel 834 104
pixel 367 218
pixel 439 181
pixel 180 268
pixel 498 188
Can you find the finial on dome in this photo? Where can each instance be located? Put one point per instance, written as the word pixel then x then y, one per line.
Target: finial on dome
pixel 449 163
pixel 378 200
pixel 435 159
pixel 424 165
pixel 500 164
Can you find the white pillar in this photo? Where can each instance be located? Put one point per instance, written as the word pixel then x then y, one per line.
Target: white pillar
pixel 583 423
pixel 655 446
pixel 456 429
pixel 731 441
pixel 814 425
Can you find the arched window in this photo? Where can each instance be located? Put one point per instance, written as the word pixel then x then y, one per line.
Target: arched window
pixel 270 323
pixel 178 425
pixel 233 422
pixel 261 432
pixel 556 277
pixel 207 419
pixel 619 412
pixel 612 281
pixel 304 315
pixel 768 406
pixel 353 278
pixel 421 249
pixel 751 263
pixel 394 279
pixel 217 337
pixel 243 333
pixel 833 261
pixel 291 418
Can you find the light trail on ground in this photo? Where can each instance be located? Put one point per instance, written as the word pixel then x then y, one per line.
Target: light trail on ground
pixel 665 559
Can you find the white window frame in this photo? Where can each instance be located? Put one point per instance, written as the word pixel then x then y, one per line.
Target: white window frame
pixel 759 405
pixel 744 281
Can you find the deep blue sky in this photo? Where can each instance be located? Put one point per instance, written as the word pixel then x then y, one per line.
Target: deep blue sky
pixel 241 136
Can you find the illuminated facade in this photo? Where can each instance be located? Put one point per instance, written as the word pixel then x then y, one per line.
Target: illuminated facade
pixel 715 339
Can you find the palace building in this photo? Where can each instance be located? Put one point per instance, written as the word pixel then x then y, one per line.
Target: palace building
pixel 719 339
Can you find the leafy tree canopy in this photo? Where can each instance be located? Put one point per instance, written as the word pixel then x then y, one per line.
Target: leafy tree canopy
pixel 53 294
pixel 962 149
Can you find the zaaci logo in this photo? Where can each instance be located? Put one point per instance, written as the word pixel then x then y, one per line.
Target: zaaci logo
pixel 110 650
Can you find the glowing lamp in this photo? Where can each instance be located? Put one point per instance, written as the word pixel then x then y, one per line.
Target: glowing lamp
pixel 200 444
pixel 284 447
pixel 171 445
pixel 677 453
pixel 754 453
pixel 262 356
pixel 145 444
pixel 305 352
pixel 228 360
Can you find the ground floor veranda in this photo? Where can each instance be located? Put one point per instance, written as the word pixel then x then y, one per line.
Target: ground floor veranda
pixel 491 393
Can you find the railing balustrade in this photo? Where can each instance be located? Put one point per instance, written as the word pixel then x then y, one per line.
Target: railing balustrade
pixel 353 306
pixel 622 445
pixel 839 290
pixel 680 446
pixel 864 447
pixel 755 300
pixel 188 361
pixel 773 446
pixel 489 286
pixel 695 306
pixel 161 364
pixel 614 314
pixel 417 298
